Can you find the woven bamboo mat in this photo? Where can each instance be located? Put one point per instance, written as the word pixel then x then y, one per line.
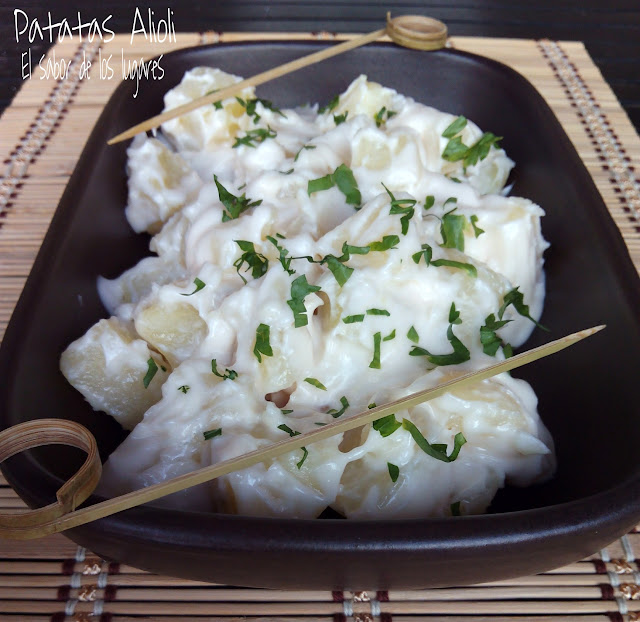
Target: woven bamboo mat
pixel 41 136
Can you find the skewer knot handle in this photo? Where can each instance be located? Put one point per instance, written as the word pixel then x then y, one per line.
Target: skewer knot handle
pixel 30 434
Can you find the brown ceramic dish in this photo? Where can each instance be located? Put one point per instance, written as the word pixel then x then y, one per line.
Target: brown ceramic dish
pixel 588 395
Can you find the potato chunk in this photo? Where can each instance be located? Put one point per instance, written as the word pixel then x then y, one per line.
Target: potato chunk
pixel 108 365
pixel 174 328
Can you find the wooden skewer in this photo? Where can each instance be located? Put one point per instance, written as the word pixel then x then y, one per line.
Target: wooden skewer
pixel 413 31
pixel 27 526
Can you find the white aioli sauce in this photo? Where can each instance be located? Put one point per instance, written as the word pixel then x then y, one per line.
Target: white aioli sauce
pixel 189 304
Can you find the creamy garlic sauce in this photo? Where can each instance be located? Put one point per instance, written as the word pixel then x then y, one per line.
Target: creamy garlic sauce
pixel 273 305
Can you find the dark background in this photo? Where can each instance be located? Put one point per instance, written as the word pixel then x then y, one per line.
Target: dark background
pixel 609 29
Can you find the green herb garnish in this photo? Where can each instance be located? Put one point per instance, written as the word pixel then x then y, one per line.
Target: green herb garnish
pixel 305 147
pixel 386 425
pixel 383 115
pixel 427 253
pixel 300 288
pixel 476 230
pixel 250 106
pixel 455 128
pixel 256 262
pixel 429 202
pixel 452 230
pixel 262 346
pixel 199 285
pixel 375 361
pixel 285 261
pixel 460 353
pixel 255 137
pixel 184 388
pixel 456 150
pixel 228 374
pixel 378 312
pixel 234 205
pixel 340 272
pixel 341 177
pixel 338 413
pixel 394 471
pixel 405 207
pixel 285 428
pixel 488 337
pixel 412 335
pixel 209 434
pixel 516 298
pixel 437 450
pixel 352 319
pixel 316 383
pixel 333 103
pixel 152 369
pixel 340 118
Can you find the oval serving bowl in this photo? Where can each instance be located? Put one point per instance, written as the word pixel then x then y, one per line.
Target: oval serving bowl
pixel 587 394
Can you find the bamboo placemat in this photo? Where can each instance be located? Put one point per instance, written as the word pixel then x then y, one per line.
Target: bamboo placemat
pixel 41 136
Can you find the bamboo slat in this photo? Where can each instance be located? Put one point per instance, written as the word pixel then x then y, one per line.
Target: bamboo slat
pixel 41 136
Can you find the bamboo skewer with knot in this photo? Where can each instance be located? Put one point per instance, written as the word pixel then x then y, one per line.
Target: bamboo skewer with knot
pixel 411 31
pixel 63 515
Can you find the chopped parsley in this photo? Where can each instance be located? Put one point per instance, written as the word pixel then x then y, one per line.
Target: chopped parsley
pixel 262 342
pixel 217 105
pixel 516 298
pixel 300 288
pixel 199 285
pixel 427 253
pixel 338 413
pixel 209 434
pixel 285 428
pixel 474 223
pixel 320 184
pixel 460 352
pixel 255 137
pixel 340 118
pixel 305 147
pixel 229 374
pixel 394 471
pixel 390 336
pixel 456 150
pixel 405 207
pixel 375 361
pixel 340 272
pixel 452 230
pixel 386 425
pixel 285 261
pixel 305 453
pixel 316 383
pixel 343 178
pixel 429 202
pixel 412 335
pixel 378 312
pixel 333 103
pixel 286 411
pixel 152 369
pixel 352 319
pixel 436 450
pixel 184 388
pixel 250 106
pixel 455 128
pixel 488 337
pixel 234 205
pixel 383 115
pixel 256 262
